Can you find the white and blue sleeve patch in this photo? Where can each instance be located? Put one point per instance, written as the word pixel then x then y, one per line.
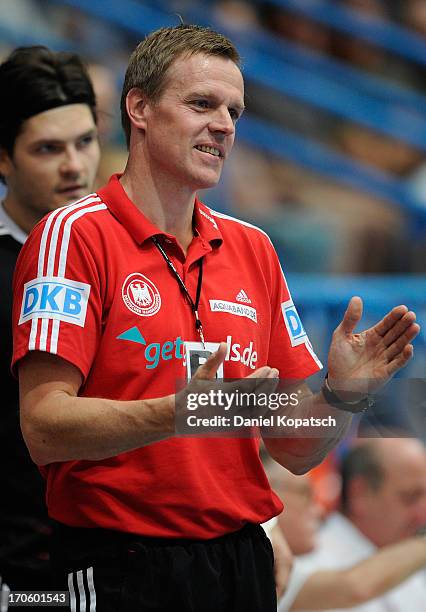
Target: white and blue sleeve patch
pixel 295 329
pixel 57 298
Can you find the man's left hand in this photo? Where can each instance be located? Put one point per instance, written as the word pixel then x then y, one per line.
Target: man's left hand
pixel 364 362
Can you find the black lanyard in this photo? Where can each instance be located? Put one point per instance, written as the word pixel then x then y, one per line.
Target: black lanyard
pixel 194 305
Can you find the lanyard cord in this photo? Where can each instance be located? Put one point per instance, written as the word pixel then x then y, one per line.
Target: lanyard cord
pixel 194 305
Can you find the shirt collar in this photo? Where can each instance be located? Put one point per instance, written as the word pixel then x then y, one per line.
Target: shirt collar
pixel 206 225
pixel 123 209
pixel 11 228
pixel 140 227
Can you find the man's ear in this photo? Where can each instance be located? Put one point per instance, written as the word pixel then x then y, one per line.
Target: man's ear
pixel 136 106
pixel 6 163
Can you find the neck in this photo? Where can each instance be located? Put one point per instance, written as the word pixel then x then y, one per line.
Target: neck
pixel 24 218
pixel 165 204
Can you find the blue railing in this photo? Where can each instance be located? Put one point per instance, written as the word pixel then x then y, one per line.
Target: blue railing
pixel 390 36
pixel 376 86
pixel 341 168
pixel 336 97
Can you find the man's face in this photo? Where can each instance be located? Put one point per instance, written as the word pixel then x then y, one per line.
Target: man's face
pixel 54 161
pixel 202 100
pixel 398 508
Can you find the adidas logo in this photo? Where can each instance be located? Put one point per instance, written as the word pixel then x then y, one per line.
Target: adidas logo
pixel 243 297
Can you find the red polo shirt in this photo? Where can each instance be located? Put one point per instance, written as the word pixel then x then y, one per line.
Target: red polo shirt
pixel 92 288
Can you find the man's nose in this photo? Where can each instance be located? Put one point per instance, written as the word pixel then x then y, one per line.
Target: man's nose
pixel 222 122
pixel 72 162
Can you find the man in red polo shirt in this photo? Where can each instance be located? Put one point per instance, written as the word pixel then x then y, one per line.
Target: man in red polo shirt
pixel 124 293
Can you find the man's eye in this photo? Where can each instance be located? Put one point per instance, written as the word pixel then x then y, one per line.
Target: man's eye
pixel 48 148
pixel 87 140
pixel 201 103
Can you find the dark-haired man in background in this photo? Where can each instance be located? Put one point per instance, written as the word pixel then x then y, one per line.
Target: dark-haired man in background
pixel 49 155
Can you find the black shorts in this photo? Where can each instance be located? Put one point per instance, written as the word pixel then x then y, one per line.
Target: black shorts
pixel 108 571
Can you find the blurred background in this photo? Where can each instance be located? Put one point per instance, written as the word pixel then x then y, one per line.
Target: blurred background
pixel 331 154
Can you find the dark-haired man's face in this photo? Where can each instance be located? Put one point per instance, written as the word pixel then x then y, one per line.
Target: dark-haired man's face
pixel 54 162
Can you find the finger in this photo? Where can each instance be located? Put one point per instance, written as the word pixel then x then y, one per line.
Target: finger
pixel 399 328
pixel 208 370
pixel 352 316
pixel 398 346
pixel 264 372
pixel 266 379
pixel 383 326
pixel 401 360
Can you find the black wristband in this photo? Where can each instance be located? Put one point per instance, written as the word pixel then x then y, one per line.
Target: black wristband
pixel 335 401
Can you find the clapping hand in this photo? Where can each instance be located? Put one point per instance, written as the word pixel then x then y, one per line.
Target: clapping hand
pixel 363 362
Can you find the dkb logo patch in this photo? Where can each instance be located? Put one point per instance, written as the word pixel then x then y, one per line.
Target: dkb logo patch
pixel 57 298
pixel 294 326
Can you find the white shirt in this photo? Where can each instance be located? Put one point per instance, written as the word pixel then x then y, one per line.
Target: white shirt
pixel 342 545
pixel 8 226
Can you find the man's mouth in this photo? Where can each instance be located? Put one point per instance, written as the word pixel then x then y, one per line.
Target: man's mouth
pixel 212 150
pixel 71 189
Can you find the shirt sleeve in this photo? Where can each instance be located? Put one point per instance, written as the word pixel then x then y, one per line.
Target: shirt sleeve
pixel 57 296
pixel 290 349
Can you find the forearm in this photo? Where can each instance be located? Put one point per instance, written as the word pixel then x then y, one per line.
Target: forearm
pixel 65 428
pixel 299 449
pixel 389 567
pixel 381 572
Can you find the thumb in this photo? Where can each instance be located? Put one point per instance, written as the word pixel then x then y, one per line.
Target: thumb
pixel 208 370
pixel 352 316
